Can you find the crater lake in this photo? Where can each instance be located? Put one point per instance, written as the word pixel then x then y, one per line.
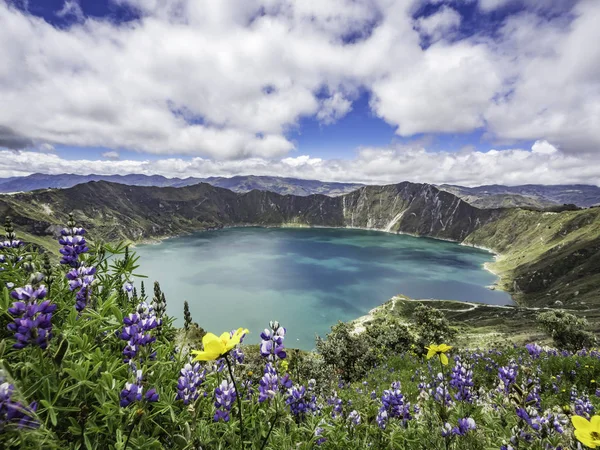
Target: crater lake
pixel 307 278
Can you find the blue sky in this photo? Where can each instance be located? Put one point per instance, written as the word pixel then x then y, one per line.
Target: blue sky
pixel 459 91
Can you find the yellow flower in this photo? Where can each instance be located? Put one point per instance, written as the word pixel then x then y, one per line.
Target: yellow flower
pixel 217 346
pixel 587 431
pixel 438 350
pixel 285 365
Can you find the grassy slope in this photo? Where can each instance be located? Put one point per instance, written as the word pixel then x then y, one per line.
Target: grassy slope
pixel 546 257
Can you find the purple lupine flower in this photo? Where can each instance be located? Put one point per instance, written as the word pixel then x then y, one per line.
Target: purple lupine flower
pixel 13 412
pixel 446 430
pixel 268 384
pixel 32 324
pixel 354 418
pixel 461 379
pixel 151 395
pixel 508 376
pixel 393 406
pixel 464 426
pixel 336 402
pixel 582 405
pixel 238 355
pixel 131 393
pixel 534 350
pixel 297 402
pixel 271 346
pixel 319 432
pixel 137 330
pixel 225 395
pixel 190 380
pixel 80 279
pixel 73 243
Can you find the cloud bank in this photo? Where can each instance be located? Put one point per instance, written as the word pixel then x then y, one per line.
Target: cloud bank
pixel 542 164
pixel 227 79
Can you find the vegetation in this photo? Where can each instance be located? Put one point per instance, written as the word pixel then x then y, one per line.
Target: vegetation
pixel 87 362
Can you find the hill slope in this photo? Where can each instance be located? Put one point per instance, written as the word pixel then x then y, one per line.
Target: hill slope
pixel 545 256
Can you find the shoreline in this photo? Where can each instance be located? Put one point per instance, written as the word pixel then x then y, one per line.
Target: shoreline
pixel 369 315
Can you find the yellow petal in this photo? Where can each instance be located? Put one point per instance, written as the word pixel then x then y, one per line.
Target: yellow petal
pixel 432 350
pixel 585 438
pixel 444 348
pixel 581 423
pixel 595 423
pixel 203 356
pixel 444 359
pixel 209 337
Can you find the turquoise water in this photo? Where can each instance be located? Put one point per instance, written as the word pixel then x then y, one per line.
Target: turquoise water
pixel 308 279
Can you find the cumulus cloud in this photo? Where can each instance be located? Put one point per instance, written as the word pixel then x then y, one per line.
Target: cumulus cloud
pixel 439 25
pixel 228 79
pixel 542 164
pixel 334 108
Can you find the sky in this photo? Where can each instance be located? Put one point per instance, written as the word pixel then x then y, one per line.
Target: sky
pixel 466 92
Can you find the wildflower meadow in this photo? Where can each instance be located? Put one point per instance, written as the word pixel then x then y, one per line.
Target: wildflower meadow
pixel 89 359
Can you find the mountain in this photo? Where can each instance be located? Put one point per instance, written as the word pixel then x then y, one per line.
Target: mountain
pixel 247 183
pixel 529 195
pixel 543 256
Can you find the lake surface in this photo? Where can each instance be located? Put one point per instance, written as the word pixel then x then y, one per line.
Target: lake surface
pixel 308 279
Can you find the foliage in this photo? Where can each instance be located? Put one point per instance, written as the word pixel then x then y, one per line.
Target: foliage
pixel 567 331
pixel 431 326
pixel 104 368
pixel 348 353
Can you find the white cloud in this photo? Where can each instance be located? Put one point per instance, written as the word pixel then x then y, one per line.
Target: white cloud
pixel 334 108
pixel 440 24
pixel 542 164
pixel 71 8
pixel 227 79
pixel 111 155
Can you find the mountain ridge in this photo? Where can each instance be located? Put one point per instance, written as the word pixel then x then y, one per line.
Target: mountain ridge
pixel 485 197
pixel 543 256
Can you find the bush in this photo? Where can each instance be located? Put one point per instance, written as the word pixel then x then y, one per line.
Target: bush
pixel 567 330
pixel 431 326
pixel 349 353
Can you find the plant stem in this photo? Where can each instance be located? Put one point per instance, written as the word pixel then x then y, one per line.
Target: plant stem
pixel 239 401
pixel 269 433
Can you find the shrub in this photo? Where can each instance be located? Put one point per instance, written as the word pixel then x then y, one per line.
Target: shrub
pixel 431 326
pixel 567 330
pixel 349 353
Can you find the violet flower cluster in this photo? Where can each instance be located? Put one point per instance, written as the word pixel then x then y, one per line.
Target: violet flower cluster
pixel 271 383
pixel 461 380
pixel 32 323
pixel 508 376
pixel 464 426
pixel 225 395
pixel 13 412
pixel 190 380
pixel 134 392
pixel 272 346
pixel 137 331
pixel 80 277
pixel 393 406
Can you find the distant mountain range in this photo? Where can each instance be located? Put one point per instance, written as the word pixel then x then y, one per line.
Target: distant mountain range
pixel 244 183
pixel 528 195
pixel 486 197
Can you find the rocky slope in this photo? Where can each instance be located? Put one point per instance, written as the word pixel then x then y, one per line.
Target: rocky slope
pixel 545 256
